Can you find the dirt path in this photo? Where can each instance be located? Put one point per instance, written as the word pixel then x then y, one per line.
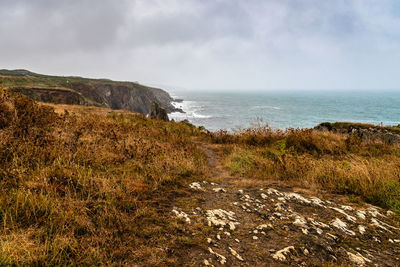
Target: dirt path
pixel 250 223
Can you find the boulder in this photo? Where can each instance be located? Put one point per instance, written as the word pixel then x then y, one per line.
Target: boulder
pixel 157 112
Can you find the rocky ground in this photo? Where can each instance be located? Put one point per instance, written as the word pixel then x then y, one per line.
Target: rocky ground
pixel 267 224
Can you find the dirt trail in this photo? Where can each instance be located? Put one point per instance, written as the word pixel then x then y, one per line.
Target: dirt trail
pixel 250 223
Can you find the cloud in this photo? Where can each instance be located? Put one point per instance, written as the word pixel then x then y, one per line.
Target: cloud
pixel 221 44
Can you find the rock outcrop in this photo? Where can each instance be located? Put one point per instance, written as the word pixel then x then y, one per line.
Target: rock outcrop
pixel 272 226
pixel 157 112
pixel 367 133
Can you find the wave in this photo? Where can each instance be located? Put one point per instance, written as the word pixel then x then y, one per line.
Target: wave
pixel 265 107
pixel 199 116
pixel 191 109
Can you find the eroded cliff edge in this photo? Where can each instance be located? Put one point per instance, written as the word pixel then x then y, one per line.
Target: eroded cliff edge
pixel 82 91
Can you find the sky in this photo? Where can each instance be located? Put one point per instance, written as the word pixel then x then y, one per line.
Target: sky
pixel 235 45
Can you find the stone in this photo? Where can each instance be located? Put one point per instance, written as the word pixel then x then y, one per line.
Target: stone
pixel 221 218
pixel 361 214
pixel 342 226
pixel 180 214
pixel 219 190
pixel 358 259
pixel 361 229
pixel 196 186
pixel 221 258
pixel 235 254
pixel 283 253
pixel 157 112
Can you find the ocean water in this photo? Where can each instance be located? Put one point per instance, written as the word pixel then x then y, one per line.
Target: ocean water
pixel 282 110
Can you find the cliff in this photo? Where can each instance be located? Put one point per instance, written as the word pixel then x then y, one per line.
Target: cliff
pixel 366 132
pixel 82 91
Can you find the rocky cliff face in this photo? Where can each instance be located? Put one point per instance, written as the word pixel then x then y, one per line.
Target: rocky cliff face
pixel 366 132
pixel 125 95
pixel 82 91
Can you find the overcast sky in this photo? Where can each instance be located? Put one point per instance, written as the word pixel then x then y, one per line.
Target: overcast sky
pixel 208 44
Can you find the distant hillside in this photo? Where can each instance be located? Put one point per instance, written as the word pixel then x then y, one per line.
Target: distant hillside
pixel 82 91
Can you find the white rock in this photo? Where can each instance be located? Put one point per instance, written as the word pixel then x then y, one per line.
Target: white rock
pixel 264 196
pixel 180 214
pixel 390 213
pixel 317 223
pixel 221 258
pixel 282 199
pixel 255 237
pixel 271 191
pixel 348 217
pixel 318 202
pixel 298 198
pixel 240 192
pixel 209 240
pixel 227 233
pixel 206 263
pixel 374 212
pixel 283 253
pixel 221 218
pixel 361 229
pixel 305 231
pixel 331 236
pixel 237 240
pixel 279 207
pixel 347 208
pixel 218 237
pixel 196 186
pixel 265 226
pixel 235 254
pixel 382 225
pixel 342 226
pixel 232 225
pixel 361 214
pixel 300 221
pixel 219 190
pixel 358 259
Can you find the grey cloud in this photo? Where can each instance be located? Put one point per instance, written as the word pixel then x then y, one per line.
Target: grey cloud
pixel 207 43
pixel 46 26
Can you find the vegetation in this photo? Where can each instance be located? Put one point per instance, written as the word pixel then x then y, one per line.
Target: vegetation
pixel 89 186
pixel 325 161
pixel 21 78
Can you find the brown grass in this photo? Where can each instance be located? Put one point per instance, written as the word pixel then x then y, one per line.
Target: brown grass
pixel 307 158
pixel 89 186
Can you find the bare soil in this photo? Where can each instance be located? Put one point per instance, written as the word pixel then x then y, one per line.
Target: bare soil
pixel 276 224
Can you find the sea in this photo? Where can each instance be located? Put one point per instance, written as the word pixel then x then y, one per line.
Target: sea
pixel 285 109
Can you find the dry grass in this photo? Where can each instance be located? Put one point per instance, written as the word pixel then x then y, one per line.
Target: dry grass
pixel 333 162
pixel 89 186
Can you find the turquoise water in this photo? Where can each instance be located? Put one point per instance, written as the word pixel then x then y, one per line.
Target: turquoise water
pixel 287 109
